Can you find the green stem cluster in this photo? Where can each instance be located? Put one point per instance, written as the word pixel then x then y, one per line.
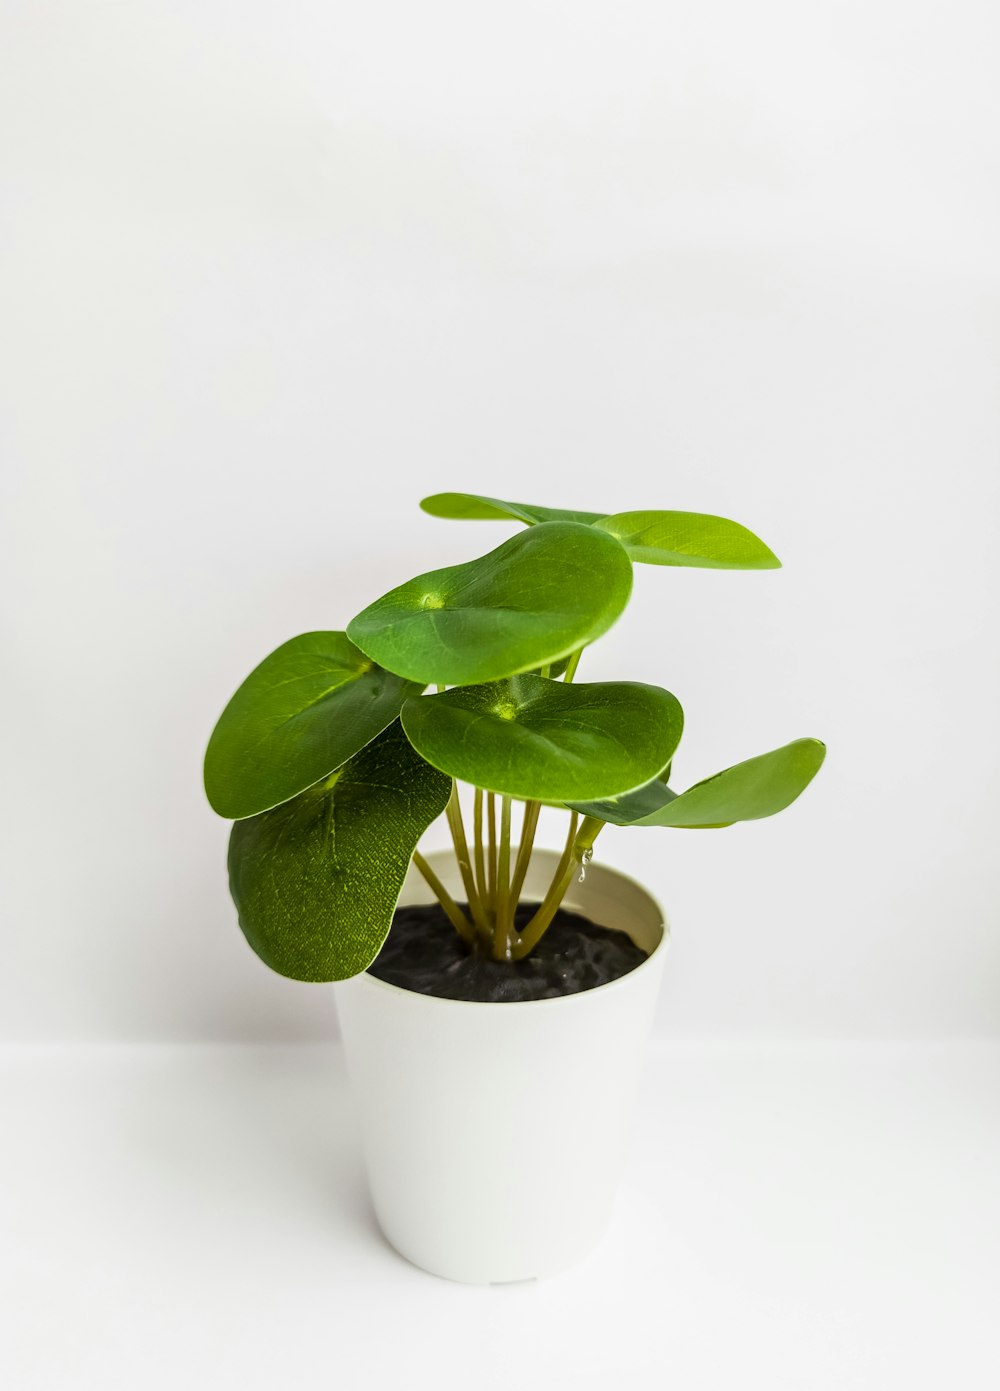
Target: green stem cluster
pixel 492 884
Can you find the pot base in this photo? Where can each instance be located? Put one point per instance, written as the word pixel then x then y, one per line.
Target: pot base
pixel 483 1269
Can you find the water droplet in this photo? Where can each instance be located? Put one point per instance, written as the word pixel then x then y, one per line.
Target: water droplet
pixel 585 859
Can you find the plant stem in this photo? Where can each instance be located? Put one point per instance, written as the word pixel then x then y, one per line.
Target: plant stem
pixel 528 827
pixel 573 858
pixel 574 662
pixel 491 855
pixel 458 919
pixel 477 847
pixel 502 924
pixel 564 859
pixel 454 814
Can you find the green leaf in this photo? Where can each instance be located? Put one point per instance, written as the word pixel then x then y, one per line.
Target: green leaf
pixel 533 600
pixel 533 738
pixel 689 538
pixel 653 537
pixel 308 708
pixel 472 507
pixel 631 808
pixel 748 791
pixel 315 881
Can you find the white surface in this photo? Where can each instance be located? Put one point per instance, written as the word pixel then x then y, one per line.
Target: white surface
pixel 808 1218
pixel 495 1135
pixel 269 273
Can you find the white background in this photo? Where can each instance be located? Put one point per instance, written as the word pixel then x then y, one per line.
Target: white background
pixel 271 273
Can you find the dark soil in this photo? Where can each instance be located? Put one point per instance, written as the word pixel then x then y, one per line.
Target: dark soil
pixel 423 952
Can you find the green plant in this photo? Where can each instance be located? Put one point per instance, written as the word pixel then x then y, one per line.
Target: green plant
pixel 333 757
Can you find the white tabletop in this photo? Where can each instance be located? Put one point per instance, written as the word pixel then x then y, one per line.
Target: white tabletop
pixel 794 1216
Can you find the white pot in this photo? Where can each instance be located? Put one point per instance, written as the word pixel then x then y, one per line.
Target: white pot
pixel 495 1134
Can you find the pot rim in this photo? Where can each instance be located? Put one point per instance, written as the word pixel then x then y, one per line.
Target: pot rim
pixel 576 998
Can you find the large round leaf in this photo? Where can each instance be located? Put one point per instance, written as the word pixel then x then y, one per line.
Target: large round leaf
pixel 542 740
pixel 315 881
pixel 689 538
pixel 536 598
pixel 748 791
pixel 472 507
pixel 308 708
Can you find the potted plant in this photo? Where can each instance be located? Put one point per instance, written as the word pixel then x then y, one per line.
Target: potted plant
pixel 494 1003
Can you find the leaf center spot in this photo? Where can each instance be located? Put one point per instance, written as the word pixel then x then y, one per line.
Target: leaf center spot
pixel 432 601
pixel 505 710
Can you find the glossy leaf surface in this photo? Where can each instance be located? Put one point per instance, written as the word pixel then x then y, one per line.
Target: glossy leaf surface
pixel 533 600
pixel 472 507
pixel 689 538
pixel 308 708
pixel 748 791
pixel 534 738
pixel 315 881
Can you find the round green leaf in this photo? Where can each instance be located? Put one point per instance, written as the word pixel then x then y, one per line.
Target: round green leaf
pixel 533 600
pixel 689 538
pixel 472 507
pixel 315 881
pixel 538 739
pixel 308 708
pixel 748 791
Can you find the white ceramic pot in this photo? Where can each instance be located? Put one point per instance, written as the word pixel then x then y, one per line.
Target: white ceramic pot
pixel 495 1134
